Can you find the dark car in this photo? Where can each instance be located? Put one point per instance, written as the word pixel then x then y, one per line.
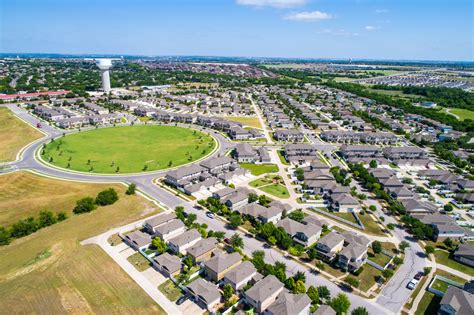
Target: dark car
pixel 419 275
pixel 181 300
pixel 227 240
pixel 266 245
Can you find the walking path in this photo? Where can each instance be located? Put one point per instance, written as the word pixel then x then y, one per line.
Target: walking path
pixel 262 121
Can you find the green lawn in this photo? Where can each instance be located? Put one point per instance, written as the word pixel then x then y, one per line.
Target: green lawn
pixel 247 121
pixel 368 277
pixel 371 226
pixel 442 258
pixel 276 190
pixel 460 112
pixel 440 285
pixel 450 276
pixel 380 258
pixel 129 149
pixel 429 304
pixel 140 262
pixel 282 158
pixel 170 290
pixel 259 169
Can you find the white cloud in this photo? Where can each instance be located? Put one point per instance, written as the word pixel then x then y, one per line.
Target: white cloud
pixel 371 28
pixel 308 16
pixel 273 3
pixel 340 32
pixel 381 11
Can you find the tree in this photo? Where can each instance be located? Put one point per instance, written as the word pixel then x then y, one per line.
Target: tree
pixel 360 311
pixel 341 304
pixel 263 200
pixel 448 207
pixel 297 215
pixel 106 197
pixel 391 226
pixel 299 287
pixel 403 245
pixel 46 218
pixel 373 164
pixel 429 249
pixel 313 294
pixel 352 281
pixel 237 241
pixel 188 261
pixel 192 217
pixel 131 189
pixel 4 236
pixel 228 291
pixel 448 243
pixel 290 284
pixel 84 205
pixel 61 216
pixel 426 271
pixel 159 245
pixel 387 273
pixel 252 197
pixel 377 247
pixel 272 240
pixel 324 292
pixel 235 220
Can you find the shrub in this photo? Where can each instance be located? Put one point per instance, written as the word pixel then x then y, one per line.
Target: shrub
pixel 131 189
pixel 358 271
pixel 397 260
pixel 106 197
pixel 61 216
pixel 377 247
pixel 84 205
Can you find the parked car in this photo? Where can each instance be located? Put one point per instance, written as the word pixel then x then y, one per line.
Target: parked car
pixel 412 284
pixel 198 207
pixel 210 215
pixel 227 240
pixel 181 300
pixel 419 275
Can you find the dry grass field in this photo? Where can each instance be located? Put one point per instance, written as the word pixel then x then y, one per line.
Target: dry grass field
pixel 246 121
pixel 49 272
pixel 14 135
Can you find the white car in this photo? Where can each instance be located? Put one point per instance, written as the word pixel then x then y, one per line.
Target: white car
pixel 412 284
pixel 210 215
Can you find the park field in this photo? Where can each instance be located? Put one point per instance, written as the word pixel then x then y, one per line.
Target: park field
pixel 49 272
pixel 14 135
pixel 246 121
pixel 129 149
pixel 460 113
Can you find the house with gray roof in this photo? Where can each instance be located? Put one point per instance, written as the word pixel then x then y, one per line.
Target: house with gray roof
pixel 220 264
pixel 167 264
pixel 137 240
pixel 151 224
pixel 465 254
pixel 239 276
pixel 180 243
pixel 305 234
pixel 329 245
pixel 456 301
pixel 203 249
pixel 205 293
pixel 290 304
pixel 324 310
pixel 263 293
pixel 170 229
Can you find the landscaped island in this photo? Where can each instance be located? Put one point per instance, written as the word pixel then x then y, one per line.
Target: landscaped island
pixel 128 149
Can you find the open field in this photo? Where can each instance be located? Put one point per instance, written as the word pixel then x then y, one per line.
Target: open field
pixel 259 169
pixel 395 93
pixel 170 290
pixel 442 257
pixel 14 135
pixel 129 149
pixel 49 272
pixel 24 194
pixel 246 121
pixel 460 113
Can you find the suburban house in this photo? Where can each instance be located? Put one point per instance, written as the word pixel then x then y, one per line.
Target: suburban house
pixel 329 245
pixel 414 206
pixel 256 211
pixel 169 265
pixel 305 234
pixel 205 293
pixel 263 293
pixel 457 301
pixel 220 264
pixel 344 202
pixel 324 310
pixel 237 199
pixel 354 253
pixel 203 249
pixel 443 227
pixel 245 153
pixel 465 254
pixel 180 243
pixel 287 303
pixel 151 224
pixel 137 240
pixel 288 135
pixel 241 275
pixel 170 229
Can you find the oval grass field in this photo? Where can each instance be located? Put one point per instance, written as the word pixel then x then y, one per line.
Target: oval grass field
pixel 129 149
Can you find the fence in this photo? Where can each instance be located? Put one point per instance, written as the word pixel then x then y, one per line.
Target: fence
pixel 441 278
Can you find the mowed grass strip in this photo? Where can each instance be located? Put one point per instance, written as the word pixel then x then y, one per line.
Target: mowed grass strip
pixel 259 169
pixel 14 135
pixel 246 121
pixel 49 272
pixel 129 149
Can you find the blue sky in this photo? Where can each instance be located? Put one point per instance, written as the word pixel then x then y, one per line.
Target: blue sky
pixel 375 29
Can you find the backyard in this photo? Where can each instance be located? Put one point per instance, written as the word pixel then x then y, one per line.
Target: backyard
pixel 170 290
pixel 246 121
pixel 259 169
pixel 139 261
pixel 442 257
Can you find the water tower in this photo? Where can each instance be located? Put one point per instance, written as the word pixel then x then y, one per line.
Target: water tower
pixel 104 65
